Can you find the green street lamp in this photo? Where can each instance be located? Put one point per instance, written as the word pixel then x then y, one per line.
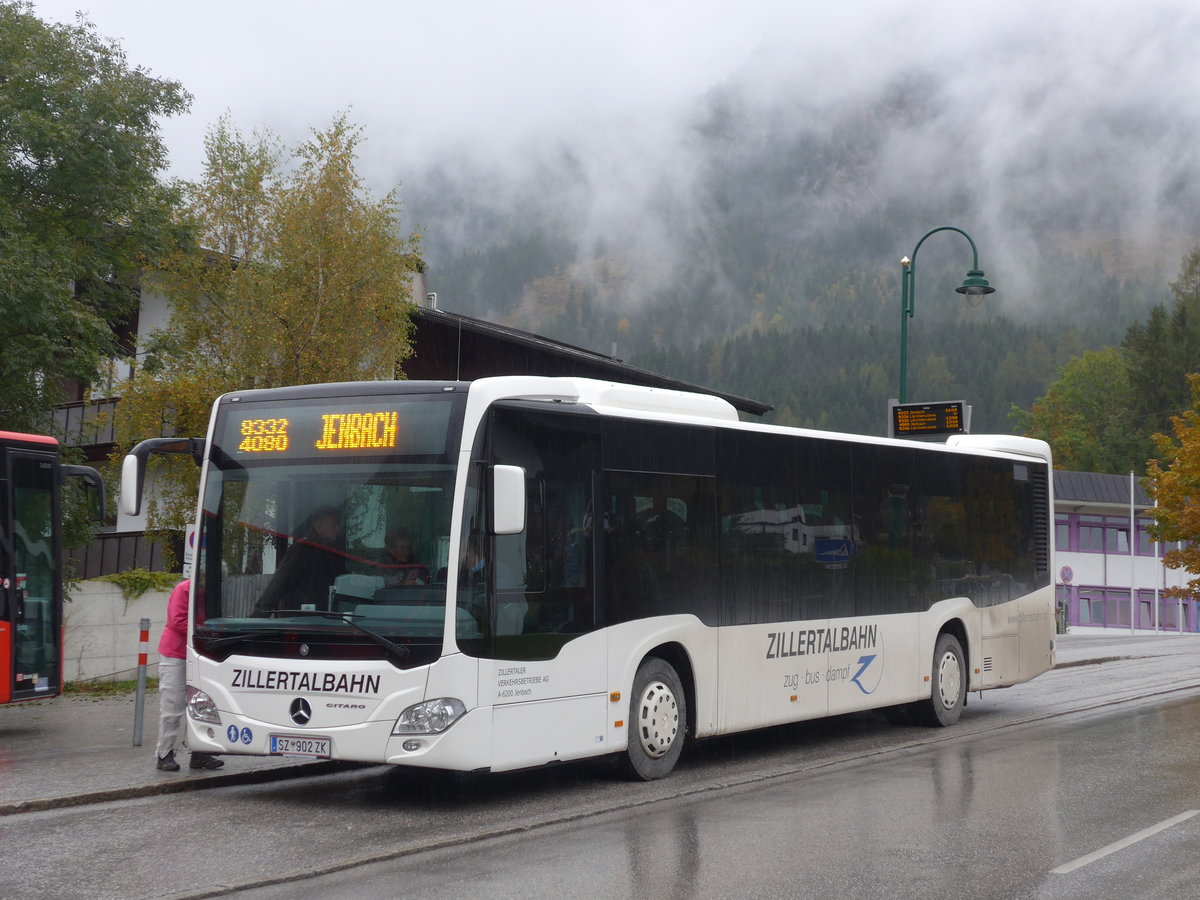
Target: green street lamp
pixel 973 285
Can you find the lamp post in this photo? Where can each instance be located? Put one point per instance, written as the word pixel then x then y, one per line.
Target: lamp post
pixel 973 285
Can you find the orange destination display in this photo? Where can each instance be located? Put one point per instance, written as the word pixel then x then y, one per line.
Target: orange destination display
pixel 264 435
pixel 312 431
pixel 358 431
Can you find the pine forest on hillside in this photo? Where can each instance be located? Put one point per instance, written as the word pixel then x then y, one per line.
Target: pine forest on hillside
pixel 770 267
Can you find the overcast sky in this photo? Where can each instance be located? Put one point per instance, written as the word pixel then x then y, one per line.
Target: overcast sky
pixel 1088 105
pixel 422 75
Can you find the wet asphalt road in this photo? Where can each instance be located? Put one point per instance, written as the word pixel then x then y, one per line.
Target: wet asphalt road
pixel 990 816
pixel 1035 778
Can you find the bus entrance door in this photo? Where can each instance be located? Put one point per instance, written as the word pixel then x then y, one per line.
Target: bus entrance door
pixel 30 630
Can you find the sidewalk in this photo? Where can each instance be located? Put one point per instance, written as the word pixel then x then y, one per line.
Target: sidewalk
pixel 75 750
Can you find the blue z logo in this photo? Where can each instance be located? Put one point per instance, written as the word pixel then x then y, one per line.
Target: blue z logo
pixel 863 663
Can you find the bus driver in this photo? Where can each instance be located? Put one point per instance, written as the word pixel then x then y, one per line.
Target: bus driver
pixel 308 567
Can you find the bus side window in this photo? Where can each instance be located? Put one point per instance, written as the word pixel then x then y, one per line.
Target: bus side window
pixel 557 598
pixel 660 546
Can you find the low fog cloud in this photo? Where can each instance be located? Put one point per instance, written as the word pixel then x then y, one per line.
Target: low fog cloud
pixel 1020 118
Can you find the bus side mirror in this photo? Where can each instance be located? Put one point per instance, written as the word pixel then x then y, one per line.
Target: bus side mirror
pixel 133 467
pixel 133 473
pixel 508 499
pixel 91 478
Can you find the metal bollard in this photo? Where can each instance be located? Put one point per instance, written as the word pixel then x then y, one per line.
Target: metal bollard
pixel 139 706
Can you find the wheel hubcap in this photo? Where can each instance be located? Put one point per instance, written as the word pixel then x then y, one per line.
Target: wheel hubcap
pixel 949 680
pixel 658 719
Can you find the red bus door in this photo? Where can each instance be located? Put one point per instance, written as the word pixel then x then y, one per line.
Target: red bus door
pixel 30 577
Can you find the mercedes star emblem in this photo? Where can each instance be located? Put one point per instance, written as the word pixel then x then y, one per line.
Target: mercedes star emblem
pixel 301 711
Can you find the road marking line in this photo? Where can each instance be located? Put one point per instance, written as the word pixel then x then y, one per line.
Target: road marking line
pixel 1122 844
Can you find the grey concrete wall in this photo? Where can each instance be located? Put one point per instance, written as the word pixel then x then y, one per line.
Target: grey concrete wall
pixel 101 631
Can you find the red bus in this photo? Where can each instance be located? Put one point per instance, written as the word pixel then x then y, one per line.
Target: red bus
pixel 31 564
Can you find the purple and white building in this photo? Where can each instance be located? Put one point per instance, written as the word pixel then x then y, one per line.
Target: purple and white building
pixel 1108 571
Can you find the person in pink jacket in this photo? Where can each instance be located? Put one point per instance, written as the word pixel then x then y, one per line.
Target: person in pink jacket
pixel 172 680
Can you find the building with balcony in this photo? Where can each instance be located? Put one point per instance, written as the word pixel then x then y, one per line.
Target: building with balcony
pixel 447 347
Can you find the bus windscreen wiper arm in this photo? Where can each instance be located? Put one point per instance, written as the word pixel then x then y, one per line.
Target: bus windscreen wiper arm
pixel 214 643
pixel 399 649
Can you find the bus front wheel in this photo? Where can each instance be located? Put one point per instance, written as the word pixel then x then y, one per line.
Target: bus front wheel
pixel 657 721
pixel 949 684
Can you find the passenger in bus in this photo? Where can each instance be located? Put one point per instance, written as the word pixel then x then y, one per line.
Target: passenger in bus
pixel 308 568
pixel 171 683
pixel 472 583
pixel 399 560
pixel 473 572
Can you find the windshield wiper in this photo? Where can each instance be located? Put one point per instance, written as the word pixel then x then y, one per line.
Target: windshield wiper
pixel 236 638
pixel 400 650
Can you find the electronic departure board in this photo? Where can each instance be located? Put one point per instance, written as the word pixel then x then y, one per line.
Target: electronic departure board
pixel 928 419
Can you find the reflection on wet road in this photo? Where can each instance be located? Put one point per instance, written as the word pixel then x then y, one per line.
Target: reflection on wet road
pixel 1093 755
pixel 989 816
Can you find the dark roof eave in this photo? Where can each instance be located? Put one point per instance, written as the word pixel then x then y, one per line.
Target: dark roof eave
pixel 621 371
pixel 1098 489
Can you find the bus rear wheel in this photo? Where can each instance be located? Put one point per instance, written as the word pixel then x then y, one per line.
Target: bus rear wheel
pixel 657 721
pixel 949 685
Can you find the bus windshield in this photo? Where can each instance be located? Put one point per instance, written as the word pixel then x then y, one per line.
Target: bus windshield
pixel 321 543
pixel 314 550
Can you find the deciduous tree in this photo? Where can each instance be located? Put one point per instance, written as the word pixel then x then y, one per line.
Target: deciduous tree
pixel 81 201
pixel 1085 416
pixel 304 277
pixel 1173 481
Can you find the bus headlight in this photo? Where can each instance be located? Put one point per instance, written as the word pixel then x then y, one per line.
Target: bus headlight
pixel 430 717
pixel 200 706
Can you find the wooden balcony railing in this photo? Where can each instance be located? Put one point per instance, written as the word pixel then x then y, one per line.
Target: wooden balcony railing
pixel 112 552
pixel 85 423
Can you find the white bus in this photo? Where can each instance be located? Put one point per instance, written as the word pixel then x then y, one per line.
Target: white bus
pixel 589 568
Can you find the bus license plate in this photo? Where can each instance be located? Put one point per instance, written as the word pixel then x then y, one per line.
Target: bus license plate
pixel 295 745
